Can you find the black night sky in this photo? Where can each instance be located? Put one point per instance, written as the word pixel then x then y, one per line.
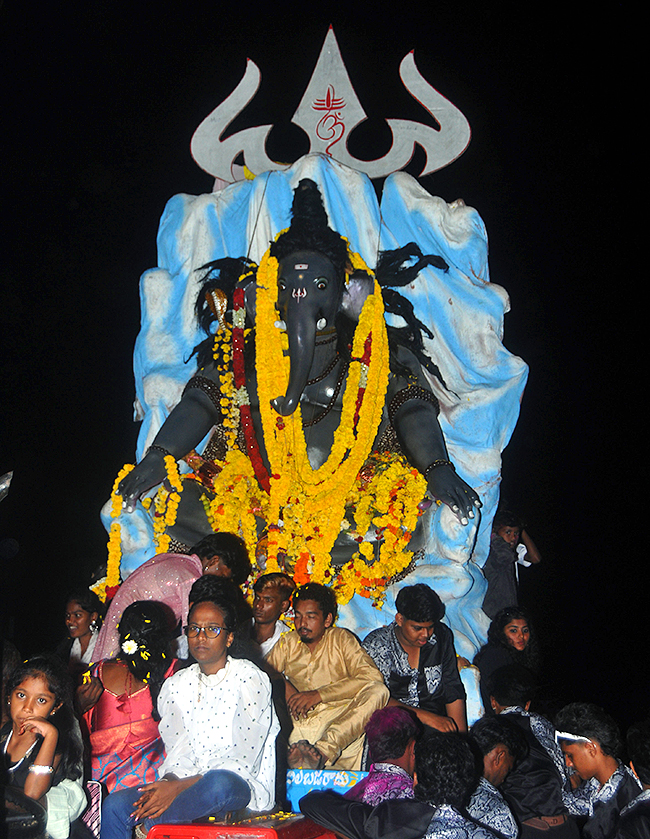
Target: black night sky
pixel 99 103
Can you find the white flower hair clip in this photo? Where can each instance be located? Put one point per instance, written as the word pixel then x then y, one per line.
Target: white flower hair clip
pixel 129 647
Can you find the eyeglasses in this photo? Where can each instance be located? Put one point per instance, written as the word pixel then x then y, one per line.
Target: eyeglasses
pixel 192 631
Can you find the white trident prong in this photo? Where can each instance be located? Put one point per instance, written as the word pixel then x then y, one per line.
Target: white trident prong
pixel 328 112
pixel 299 293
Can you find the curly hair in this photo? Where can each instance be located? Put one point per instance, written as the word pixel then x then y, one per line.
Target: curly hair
pixel 586 720
pixel 147 625
pixel 447 768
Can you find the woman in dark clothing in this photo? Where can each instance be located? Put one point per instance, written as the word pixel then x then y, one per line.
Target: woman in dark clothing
pixel 511 640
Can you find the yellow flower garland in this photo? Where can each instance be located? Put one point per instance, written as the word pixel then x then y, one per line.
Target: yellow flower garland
pixel 308 504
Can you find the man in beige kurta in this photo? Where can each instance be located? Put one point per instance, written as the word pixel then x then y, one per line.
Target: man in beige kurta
pixel 333 686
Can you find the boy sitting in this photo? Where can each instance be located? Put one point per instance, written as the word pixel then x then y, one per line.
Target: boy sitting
pixel 591 743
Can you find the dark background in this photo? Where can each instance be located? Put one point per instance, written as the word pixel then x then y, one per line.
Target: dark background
pixel 99 103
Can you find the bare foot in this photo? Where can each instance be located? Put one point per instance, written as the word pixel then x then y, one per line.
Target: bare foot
pixel 302 755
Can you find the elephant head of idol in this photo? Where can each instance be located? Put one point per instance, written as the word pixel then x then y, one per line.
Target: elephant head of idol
pixel 312 291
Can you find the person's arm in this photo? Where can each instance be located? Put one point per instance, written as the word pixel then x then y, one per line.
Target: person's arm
pixel 438 721
pixel 86 697
pixel 457 711
pixel 532 554
pixel 39 778
pixel 358 669
pixel 300 703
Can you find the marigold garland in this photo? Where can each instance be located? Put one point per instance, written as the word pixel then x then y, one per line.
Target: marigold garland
pixel 307 505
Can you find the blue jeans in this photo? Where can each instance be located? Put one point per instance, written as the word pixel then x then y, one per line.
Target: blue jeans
pixel 214 793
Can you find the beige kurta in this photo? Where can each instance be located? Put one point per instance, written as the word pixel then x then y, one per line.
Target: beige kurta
pixel 350 685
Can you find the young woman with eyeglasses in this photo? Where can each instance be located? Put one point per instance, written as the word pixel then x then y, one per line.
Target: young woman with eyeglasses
pixel 219 729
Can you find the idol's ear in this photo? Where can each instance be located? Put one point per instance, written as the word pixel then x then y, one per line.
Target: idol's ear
pixel 355 294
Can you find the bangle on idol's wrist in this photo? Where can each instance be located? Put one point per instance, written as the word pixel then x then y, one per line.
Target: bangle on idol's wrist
pixel 435 464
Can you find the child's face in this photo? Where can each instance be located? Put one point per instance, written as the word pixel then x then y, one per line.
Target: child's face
pixel 509 534
pixel 32 698
pixel 581 757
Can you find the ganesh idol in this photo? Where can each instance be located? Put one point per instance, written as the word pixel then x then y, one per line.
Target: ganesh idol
pixel 324 446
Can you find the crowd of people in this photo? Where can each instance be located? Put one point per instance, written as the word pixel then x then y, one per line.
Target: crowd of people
pixel 178 727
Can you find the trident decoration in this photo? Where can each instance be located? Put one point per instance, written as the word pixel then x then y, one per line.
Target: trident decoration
pixel 328 112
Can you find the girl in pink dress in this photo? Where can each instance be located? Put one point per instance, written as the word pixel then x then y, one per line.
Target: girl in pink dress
pixel 119 700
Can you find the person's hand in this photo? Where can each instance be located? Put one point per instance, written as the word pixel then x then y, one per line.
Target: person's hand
pixel 87 695
pixel 446 486
pixel 148 473
pixel 462 662
pixel 437 721
pixel 301 702
pixel 40 725
pixel 155 799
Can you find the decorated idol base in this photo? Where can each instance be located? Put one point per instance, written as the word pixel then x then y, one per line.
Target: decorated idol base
pixel 463 309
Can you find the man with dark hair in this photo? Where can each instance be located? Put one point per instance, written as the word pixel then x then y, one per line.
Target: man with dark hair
pixel 224 555
pixel 502 744
pixel 634 822
pixel 169 577
pixel 391 734
pixel 332 686
pixel 446 770
pixel 591 742
pixel 534 787
pixel 417 658
pixel 272 598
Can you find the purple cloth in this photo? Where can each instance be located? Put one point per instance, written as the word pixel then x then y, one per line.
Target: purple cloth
pixel 384 782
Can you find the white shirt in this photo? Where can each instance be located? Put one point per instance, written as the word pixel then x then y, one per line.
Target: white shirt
pixel 224 721
pixel 278 630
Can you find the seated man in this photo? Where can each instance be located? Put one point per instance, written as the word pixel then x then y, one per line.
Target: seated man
pixel 218 728
pixel 168 579
pixel 534 787
pixel 272 598
pixel 391 734
pixel 591 743
pixel 446 773
pixel 332 686
pixel 502 745
pixel 635 817
pixel 417 658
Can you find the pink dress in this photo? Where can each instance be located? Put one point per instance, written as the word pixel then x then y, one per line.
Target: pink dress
pixel 126 749
pixel 166 578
